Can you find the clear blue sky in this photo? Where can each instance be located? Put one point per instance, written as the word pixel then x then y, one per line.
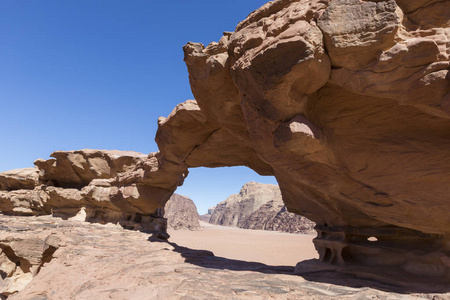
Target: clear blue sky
pixel 97 74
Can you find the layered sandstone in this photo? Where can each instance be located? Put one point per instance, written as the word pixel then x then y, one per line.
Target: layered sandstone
pixel 259 206
pixel 346 103
pixel 274 216
pixel 100 186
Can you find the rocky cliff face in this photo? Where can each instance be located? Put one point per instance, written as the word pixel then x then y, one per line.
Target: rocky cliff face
pixel 237 208
pixel 181 213
pixel 346 103
pixel 259 206
pixel 274 216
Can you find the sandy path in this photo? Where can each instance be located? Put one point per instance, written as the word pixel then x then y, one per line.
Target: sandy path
pixel 268 247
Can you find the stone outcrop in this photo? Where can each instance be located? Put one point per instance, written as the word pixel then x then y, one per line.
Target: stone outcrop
pixel 19 179
pixel 93 261
pixel 259 206
pixel 181 213
pixel 238 207
pixel 347 104
pixel 274 216
pixel 22 254
pixel 101 186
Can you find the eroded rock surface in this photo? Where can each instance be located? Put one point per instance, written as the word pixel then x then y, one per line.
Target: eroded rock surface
pixel 274 216
pixel 347 104
pixel 259 206
pixel 102 186
pixel 93 261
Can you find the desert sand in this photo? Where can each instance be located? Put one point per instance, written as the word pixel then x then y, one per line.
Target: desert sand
pixel 267 247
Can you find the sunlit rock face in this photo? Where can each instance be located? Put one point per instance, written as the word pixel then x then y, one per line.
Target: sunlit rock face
pixel 102 186
pixel 259 206
pixel 347 104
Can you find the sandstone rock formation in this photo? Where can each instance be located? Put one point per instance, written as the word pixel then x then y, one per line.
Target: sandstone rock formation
pixel 238 207
pixel 101 186
pixel 78 260
pixel 347 104
pixel 259 206
pixel 181 213
pixel 22 256
pixel 19 179
pixel 274 216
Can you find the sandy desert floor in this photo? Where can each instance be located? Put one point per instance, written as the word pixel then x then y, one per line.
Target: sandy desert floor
pixel 268 247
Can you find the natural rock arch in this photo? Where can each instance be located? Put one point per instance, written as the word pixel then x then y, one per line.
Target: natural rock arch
pixel 351 117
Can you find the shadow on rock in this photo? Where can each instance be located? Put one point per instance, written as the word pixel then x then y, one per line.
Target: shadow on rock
pixel 361 277
pixel 312 271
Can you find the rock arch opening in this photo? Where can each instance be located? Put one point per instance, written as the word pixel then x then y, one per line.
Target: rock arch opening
pixel 248 221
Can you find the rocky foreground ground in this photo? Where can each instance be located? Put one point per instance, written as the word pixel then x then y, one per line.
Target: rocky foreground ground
pixel 50 258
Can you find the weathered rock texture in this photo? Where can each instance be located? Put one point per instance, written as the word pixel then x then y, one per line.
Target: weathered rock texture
pixel 274 216
pixel 347 104
pixel 76 260
pixel 259 206
pixel 101 186
pixel 181 213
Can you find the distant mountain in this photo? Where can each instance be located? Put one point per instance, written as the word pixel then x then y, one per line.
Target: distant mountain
pixel 206 217
pixel 259 206
pixel 181 213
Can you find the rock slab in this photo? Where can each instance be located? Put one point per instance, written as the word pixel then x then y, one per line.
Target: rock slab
pixel 94 261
